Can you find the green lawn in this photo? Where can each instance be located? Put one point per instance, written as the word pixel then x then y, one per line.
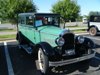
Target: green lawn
pixel 7 30
pixel 76 27
pixel 7 37
pixel 80 31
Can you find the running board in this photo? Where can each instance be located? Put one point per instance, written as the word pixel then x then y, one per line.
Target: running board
pixel 27 48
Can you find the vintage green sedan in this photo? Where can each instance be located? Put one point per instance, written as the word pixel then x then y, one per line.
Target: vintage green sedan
pixel 41 35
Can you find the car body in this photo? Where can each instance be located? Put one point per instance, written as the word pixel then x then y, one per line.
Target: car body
pixel 94 25
pixel 40 34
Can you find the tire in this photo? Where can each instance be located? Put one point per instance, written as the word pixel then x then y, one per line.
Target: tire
pixel 43 62
pixel 20 40
pixel 93 31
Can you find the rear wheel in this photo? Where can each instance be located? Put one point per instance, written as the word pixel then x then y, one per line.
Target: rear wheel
pixel 43 62
pixel 20 40
pixel 93 31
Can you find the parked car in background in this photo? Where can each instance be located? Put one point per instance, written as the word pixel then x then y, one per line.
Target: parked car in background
pixel 94 25
pixel 85 20
pixel 40 34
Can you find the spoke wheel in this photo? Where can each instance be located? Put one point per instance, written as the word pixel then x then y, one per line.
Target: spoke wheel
pixel 43 62
pixel 93 31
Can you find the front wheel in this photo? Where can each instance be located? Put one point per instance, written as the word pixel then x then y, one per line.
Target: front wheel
pixel 43 61
pixel 93 31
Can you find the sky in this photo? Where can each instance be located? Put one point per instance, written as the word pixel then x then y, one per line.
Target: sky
pixel 86 5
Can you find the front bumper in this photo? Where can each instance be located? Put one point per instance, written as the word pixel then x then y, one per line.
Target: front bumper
pixel 70 61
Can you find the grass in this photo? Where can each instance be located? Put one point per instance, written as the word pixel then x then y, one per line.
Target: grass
pixel 6 37
pixel 76 26
pixel 7 30
pixel 79 31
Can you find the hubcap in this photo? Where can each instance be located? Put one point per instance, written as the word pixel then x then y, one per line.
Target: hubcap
pixel 40 60
pixel 92 31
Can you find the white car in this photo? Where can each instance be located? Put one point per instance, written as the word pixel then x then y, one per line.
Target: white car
pixel 94 25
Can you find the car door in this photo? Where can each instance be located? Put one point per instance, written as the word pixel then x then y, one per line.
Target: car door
pixel 37 24
pixel 95 22
pixel 30 28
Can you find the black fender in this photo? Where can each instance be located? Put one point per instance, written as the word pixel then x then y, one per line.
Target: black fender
pixel 89 42
pixel 93 26
pixel 47 49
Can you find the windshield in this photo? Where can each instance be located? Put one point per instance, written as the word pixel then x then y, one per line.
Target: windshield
pixel 42 21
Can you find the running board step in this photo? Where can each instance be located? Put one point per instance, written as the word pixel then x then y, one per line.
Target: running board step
pixel 27 48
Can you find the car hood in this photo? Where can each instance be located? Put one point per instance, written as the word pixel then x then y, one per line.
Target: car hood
pixel 51 30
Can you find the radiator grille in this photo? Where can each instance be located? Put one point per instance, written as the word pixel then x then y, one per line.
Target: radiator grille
pixel 69 41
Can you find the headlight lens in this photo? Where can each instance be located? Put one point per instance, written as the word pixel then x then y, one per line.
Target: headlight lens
pixel 81 39
pixel 60 41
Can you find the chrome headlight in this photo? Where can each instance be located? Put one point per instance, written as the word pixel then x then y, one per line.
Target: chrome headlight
pixel 81 39
pixel 60 41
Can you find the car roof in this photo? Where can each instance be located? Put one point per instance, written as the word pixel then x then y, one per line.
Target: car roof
pixel 39 14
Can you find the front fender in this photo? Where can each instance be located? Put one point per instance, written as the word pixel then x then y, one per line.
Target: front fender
pixel 90 43
pixel 47 49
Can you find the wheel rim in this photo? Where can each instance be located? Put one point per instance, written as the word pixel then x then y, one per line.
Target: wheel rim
pixel 93 31
pixel 40 60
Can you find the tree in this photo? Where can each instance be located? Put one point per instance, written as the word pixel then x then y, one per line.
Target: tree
pixel 11 8
pixel 3 3
pixel 68 9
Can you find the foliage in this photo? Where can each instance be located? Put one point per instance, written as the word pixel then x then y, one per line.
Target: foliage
pixel 3 3
pixel 79 18
pixel 68 9
pixel 9 9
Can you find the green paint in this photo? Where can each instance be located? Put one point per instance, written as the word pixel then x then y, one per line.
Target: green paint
pixel 49 34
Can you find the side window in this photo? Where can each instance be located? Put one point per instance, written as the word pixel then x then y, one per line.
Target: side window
pixel 95 18
pixel 29 20
pixel 21 20
pixel 98 19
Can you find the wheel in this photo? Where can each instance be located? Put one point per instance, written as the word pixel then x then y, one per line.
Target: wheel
pixel 20 40
pixel 43 62
pixel 93 31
